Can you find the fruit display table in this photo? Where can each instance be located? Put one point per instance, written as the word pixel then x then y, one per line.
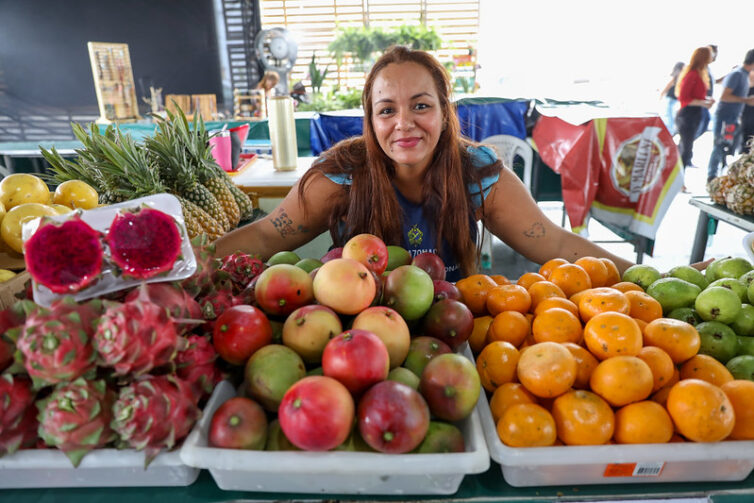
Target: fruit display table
pixel 488 487
pixel 261 180
pixel 709 214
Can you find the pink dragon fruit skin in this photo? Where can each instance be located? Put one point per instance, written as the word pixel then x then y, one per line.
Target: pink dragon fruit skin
pixel 135 337
pixel 242 268
pixel 176 301
pixel 154 413
pixel 17 413
pixel 65 258
pixel 76 418
pixel 144 243
pixel 55 345
pixel 207 268
pixel 196 366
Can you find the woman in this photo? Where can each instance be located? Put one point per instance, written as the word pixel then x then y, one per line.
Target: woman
pixel 412 180
pixel 691 91
pixel 671 100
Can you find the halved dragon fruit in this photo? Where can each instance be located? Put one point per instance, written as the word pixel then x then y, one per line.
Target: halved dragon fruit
pixel 64 257
pixel 144 243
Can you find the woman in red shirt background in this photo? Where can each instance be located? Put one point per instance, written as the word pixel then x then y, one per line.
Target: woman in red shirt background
pixel 691 91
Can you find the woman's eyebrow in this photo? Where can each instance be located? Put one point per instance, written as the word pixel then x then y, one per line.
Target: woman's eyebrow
pixel 390 100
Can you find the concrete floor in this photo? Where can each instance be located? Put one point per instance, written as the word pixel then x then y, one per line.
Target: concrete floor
pixel 674 238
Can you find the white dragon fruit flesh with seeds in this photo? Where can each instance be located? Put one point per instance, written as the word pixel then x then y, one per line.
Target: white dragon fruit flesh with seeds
pixel 144 243
pixel 55 344
pixel 64 257
pixel 154 413
pixel 135 337
pixel 18 423
pixel 76 418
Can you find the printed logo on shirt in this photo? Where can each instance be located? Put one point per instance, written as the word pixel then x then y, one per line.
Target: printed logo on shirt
pixel 415 235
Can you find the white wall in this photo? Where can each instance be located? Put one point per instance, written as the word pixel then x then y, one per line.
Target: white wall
pixel 623 50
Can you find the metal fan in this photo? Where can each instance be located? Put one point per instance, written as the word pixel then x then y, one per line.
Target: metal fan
pixel 276 50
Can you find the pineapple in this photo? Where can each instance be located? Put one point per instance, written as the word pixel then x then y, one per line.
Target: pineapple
pixel 198 221
pixel 718 187
pixel 242 199
pixel 740 199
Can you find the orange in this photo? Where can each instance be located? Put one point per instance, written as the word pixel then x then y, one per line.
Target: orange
pixel 474 290
pixel 527 425
pixel 508 298
pixel 547 267
pixel 556 325
pixel 509 326
pixel 741 394
pixel 595 268
pixel 507 394
pixel 612 334
pixel 602 300
pixel 576 297
pixel 627 286
pixel 529 278
pixel 478 337
pixel 528 341
pixel 542 290
pixel 613 274
pixel 641 323
pixel 496 364
pixel 706 368
pixel 556 302
pixel 583 418
pixel 661 395
pixel 586 364
pixel 643 306
pixel 500 279
pixel 700 410
pixel 547 369
pixel 679 339
pixel 660 364
pixel 621 380
pixel 571 278
pixel 643 422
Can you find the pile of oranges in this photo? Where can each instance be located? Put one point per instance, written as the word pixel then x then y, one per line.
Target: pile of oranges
pixel 573 355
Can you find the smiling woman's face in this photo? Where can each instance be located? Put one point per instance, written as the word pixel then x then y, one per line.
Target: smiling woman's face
pixel 406 115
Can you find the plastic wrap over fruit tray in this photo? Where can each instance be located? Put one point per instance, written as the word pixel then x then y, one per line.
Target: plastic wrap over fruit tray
pixel 334 472
pixel 617 463
pixel 37 468
pixel 109 280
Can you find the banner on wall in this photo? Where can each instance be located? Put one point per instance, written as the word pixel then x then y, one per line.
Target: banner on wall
pixel 622 171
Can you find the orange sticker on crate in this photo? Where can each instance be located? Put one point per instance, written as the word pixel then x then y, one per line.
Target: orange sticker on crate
pixel 634 469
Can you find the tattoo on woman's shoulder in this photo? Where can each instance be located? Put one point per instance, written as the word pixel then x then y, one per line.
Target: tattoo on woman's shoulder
pixel 535 231
pixel 285 226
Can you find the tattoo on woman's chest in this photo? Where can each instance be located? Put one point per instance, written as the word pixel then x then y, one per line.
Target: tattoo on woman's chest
pixel 285 226
pixel 535 231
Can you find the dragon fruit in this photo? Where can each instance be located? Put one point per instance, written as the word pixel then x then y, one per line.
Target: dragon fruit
pixel 196 366
pixel 64 257
pixel 76 418
pixel 55 344
pixel 176 301
pixel 10 317
pixel 17 413
pixel 144 243
pixel 154 413
pixel 242 268
pixel 217 301
pixel 207 268
pixel 135 337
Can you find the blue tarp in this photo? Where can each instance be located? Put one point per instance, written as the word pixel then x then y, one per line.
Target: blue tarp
pixel 480 118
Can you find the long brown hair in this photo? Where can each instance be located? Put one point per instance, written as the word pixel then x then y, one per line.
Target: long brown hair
pixel 700 58
pixel 369 204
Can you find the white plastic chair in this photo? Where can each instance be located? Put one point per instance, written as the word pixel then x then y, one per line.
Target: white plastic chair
pixel 507 147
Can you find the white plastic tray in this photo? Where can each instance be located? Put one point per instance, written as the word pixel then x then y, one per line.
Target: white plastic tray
pixel 602 464
pixel 36 468
pixel 334 472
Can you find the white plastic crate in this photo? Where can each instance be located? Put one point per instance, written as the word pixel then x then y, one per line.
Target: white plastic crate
pixel 617 464
pixel 37 468
pixel 334 472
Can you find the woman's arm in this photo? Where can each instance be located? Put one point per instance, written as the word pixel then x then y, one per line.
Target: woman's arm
pixel 513 216
pixel 288 226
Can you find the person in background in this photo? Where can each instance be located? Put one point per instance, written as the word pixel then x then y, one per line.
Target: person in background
pixel 268 82
pixel 691 90
pixel 412 180
pixel 671 101
pixel 747 120
pixel 729 109
pixel 704 124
